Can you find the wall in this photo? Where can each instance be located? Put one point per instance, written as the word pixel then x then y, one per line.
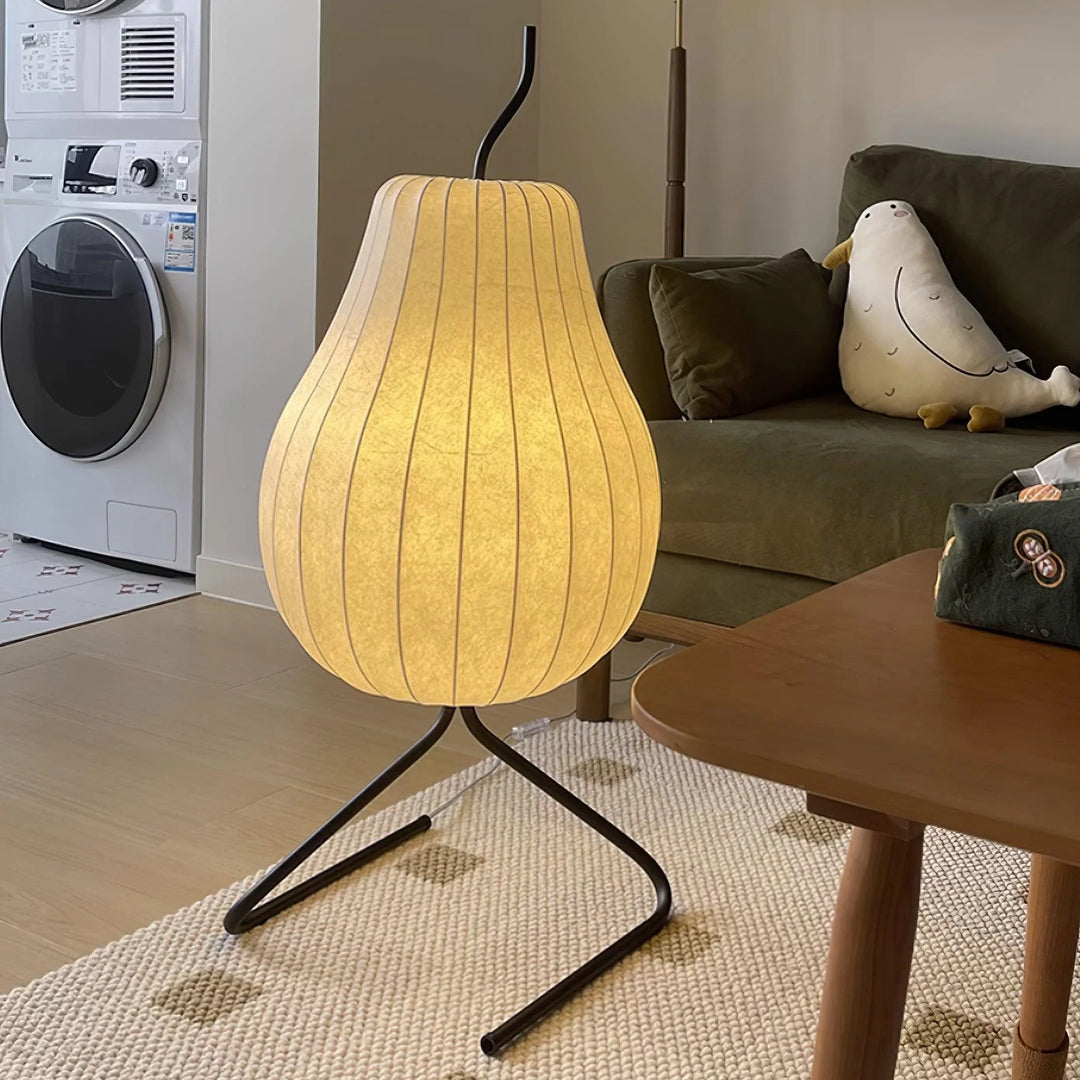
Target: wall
pixel 781 92
pixel 312 106
pixel 603 113
pixel 262 184
pixel 410 86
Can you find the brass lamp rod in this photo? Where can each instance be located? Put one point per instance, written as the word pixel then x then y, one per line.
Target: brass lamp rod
pixel 675 208
pixel 528 70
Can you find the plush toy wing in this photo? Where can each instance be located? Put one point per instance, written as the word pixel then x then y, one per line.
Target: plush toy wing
pixel 942 320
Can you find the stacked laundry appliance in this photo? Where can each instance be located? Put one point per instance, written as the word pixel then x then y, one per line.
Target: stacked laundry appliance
pixel 101 324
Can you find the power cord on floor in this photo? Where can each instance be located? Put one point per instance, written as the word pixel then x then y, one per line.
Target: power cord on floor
pixel 652 659
pixel 530 729
pixel 518 735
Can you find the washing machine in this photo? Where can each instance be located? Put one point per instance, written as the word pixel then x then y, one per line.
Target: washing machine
pixel 117 68
pixel 101 347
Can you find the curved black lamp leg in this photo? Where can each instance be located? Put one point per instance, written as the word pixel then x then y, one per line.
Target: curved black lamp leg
pixel 247 913
pixel 496 1041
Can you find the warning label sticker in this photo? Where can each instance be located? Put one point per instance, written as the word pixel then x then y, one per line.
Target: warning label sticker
pixel 180 243
pixel 49 62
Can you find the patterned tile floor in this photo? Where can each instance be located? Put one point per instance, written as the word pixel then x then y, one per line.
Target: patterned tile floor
pixel 43 590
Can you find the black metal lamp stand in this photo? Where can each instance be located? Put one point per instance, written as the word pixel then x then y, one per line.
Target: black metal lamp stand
pixel 252 909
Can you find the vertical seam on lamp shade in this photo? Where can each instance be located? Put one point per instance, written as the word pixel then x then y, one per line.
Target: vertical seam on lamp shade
pixel 307 467
pixel 589 405
pixel 468 435
pixel 517 457
pixel 626 431
pixel 360 440
pixel 412 445
pixel 562 442
pixel 331 353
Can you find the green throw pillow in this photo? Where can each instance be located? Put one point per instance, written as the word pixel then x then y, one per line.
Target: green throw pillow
pixel 736 340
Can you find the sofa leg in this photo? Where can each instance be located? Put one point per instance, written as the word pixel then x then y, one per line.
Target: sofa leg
pixel 594 692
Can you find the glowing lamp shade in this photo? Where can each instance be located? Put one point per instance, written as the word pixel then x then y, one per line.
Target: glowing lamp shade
pixel 460 503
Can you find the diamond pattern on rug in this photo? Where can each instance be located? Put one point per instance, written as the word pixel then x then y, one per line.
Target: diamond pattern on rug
pixel 681 943
pixel 439 864
pixel 207 996
pixel 802 825
pixel 397 980
pixel 602 770
pixel 961 1040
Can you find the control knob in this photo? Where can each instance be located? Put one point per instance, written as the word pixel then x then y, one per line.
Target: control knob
pixel 145 172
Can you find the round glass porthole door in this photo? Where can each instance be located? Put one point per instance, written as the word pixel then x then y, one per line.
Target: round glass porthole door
pixel 83 338
pixel 78 7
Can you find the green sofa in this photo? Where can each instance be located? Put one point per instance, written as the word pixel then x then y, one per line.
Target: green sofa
pixel 768 507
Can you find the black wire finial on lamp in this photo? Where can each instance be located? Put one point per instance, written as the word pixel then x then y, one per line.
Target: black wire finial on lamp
pixel 528 70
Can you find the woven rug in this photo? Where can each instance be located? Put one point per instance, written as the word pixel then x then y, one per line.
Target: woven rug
pixel 395 972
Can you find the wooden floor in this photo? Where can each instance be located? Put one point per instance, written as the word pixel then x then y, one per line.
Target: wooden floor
pixel 152 758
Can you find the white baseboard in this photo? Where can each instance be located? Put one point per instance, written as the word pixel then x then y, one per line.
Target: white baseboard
pixel 232 581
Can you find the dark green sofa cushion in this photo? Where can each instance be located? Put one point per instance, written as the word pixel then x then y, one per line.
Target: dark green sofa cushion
pixel 1009 232
pixel 740 339
pixel 623 294
pixel 822 489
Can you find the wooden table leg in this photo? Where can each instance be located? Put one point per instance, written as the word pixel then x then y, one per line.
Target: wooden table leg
pixel 873 935
pixel 1041 1042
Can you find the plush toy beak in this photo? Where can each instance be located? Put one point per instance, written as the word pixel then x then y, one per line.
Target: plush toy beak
pixel 839 254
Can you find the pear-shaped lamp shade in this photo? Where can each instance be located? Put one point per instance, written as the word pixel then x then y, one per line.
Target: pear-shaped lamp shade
pixel 460 504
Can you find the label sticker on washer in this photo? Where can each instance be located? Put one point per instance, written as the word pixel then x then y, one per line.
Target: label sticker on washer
pixel 155 219
pixel 49 62
pixel 180 243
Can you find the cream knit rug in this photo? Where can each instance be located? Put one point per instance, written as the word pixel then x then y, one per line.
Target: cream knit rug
pixel 396 972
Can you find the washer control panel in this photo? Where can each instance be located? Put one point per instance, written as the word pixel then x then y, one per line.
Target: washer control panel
pixel 167 172
pixel 145 171
pixel 91 169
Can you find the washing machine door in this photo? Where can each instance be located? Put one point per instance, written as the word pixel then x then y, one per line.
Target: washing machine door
pixel 84 338
pixel 78 7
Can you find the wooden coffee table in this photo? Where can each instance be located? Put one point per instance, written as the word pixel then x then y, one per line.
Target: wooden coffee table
pixel 891 719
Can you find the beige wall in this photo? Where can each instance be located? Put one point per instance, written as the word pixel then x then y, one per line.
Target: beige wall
pixel 603 94
pixel 410 86
pixel 262 154
pixel 782 91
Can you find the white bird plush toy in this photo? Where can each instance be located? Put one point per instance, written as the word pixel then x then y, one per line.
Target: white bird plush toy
pixel 912 344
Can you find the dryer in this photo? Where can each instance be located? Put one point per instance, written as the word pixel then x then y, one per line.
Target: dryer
pixel 101 347
pixel 127 68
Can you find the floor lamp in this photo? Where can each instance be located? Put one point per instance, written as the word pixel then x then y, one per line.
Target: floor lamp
pixel 460 503
pixel 675 208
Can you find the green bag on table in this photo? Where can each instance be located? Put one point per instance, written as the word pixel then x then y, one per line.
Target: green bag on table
pixel 1013 564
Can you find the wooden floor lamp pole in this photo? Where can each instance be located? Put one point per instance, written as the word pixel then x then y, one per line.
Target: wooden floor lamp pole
pixel 675 211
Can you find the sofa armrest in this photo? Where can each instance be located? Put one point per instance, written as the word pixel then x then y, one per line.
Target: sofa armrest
pixel 623 293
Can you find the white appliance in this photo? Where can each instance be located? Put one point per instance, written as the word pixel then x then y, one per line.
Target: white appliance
pixel 118 69
pixel 101 345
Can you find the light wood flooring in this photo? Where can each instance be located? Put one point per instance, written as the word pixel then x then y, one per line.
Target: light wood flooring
pixel 150 759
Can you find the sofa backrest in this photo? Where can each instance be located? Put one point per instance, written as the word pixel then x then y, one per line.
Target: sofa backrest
pixel 623 292
pixel 1009 232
